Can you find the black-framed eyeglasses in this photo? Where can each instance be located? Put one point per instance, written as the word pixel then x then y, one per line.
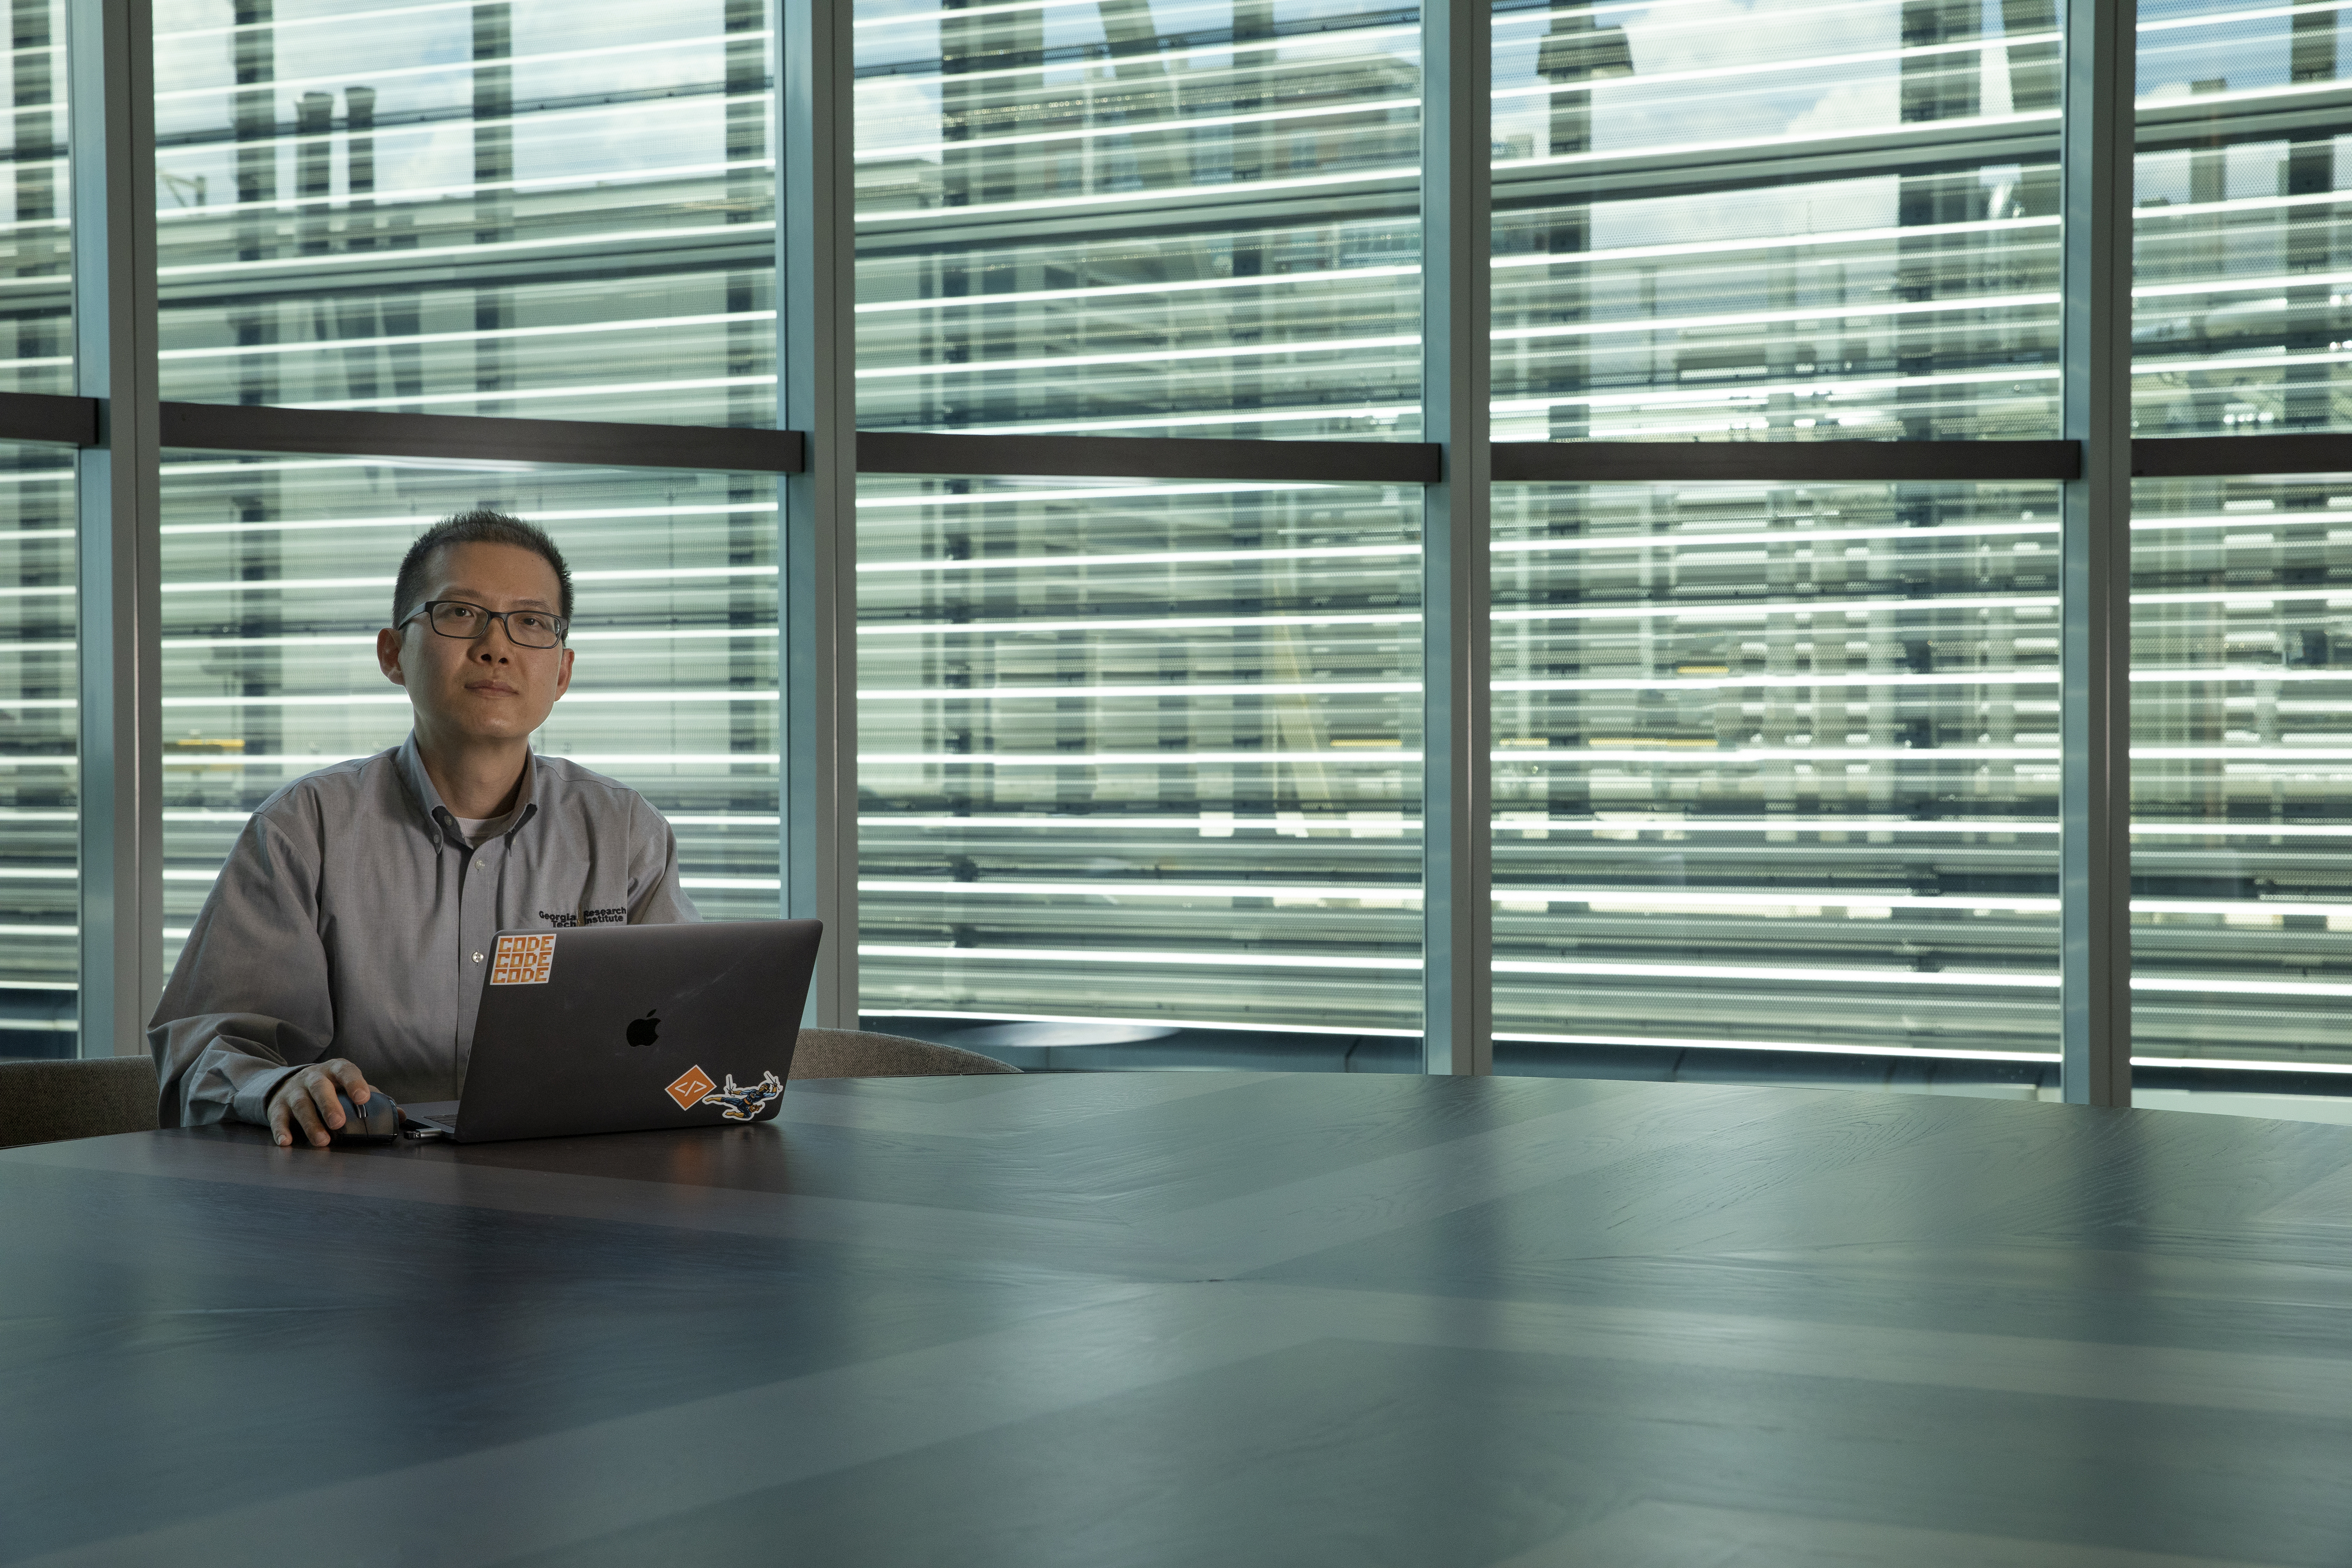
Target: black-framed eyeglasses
pixel 470 623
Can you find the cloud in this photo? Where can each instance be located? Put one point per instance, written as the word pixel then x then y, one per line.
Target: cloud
pixel 896 112
pixel 1803 99
pixel 1856 106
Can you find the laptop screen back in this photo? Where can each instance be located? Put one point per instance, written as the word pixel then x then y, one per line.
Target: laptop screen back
pixel 619 1028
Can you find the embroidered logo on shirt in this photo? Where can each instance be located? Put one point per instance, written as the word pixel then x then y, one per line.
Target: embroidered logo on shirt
pixel 690 1089
pixel 743 1104
pixel 618 916
pixel 523 960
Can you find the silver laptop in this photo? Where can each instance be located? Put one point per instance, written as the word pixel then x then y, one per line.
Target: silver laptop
pixel 623 1028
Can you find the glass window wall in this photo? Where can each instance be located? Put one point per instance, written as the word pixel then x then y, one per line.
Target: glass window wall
pixel 38 745
pixel 1775 765
pixel 1788 222
pixel 2240 320
pixel 36 267
pixel 1776 773
pixel 1140 753
pixel 39 739
pixel 553 208
pixel 2241 775
pixel 1199 218
pixel 2242 782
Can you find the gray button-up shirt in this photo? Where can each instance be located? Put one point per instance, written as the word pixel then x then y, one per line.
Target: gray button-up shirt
pixel 352 920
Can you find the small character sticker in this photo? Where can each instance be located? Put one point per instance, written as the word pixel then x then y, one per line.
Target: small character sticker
pixel 743 1104
pixel 523 960
pixel 689 1090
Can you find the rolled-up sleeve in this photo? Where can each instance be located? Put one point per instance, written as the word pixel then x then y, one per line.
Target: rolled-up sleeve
pixel 656 897
pixel 250 999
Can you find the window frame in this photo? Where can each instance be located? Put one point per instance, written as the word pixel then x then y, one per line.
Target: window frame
pixel 118 427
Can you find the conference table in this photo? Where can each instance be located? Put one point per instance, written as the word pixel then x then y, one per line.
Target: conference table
pixel 1193 1318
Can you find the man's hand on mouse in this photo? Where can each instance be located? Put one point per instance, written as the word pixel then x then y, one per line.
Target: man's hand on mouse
pixel 304 1100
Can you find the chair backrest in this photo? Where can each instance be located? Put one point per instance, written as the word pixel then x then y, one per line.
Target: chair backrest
pixel 861 1053
pixel 43 1101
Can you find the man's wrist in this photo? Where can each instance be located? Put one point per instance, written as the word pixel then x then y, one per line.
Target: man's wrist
pixel 254 1095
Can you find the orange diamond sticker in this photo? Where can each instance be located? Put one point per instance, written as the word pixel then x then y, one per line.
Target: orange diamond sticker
pixel 688 1091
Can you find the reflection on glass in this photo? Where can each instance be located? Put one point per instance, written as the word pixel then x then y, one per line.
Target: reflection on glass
pixel 38 788
pixel 1777 221
pixel 2241 772
pixel 1777 766
pixel 1198 218
pixel 36 264
pixel 38 739
pixel 277 574
pixel 1140 751
pixel 2240 323
pixel 559 208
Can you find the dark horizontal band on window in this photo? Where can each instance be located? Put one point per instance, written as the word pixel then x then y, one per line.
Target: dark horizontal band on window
pixel 2219 456
pixel 1146 457
pixel 1782 462
pixel 230 427
pixel 233 428
pixel 42 416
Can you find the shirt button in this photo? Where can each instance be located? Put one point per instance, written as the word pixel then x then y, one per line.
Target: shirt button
pixel 478 958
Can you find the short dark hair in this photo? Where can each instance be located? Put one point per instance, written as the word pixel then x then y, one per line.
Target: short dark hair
pixel 479 527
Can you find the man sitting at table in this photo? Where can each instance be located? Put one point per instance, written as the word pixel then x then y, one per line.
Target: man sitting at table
pixel 360 904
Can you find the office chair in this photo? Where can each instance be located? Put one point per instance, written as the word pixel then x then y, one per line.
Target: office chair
pixel 44 1101
pixel 862 1053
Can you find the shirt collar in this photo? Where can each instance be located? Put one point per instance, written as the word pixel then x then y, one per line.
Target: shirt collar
pixel 411 767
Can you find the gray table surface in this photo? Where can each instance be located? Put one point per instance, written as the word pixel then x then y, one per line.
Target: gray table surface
pixel 1184 1318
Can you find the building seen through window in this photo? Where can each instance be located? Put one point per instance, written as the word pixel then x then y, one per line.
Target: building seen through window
pixel 39 783
pixel 1774 765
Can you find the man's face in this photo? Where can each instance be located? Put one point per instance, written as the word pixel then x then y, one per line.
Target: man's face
pixel 487 689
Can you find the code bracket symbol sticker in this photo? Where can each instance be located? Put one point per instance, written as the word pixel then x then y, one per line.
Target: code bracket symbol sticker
pixel 523 960
pixel 689 1090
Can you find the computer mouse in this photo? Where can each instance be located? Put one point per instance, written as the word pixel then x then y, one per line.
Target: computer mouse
pixel 377 1121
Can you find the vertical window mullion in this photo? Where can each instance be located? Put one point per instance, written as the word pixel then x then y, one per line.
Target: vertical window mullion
pixel 111 135
pixel 1455 275
pixel 816 395
pixel 2094 719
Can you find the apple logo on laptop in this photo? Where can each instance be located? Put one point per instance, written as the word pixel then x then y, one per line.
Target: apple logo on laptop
pixel 642 1030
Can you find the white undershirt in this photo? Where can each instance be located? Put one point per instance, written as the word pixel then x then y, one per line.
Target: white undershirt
pixel 478 832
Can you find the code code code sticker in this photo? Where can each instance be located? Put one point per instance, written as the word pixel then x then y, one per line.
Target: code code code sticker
pixel 523 960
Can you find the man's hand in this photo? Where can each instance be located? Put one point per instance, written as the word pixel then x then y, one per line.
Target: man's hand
pixel 304 1100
